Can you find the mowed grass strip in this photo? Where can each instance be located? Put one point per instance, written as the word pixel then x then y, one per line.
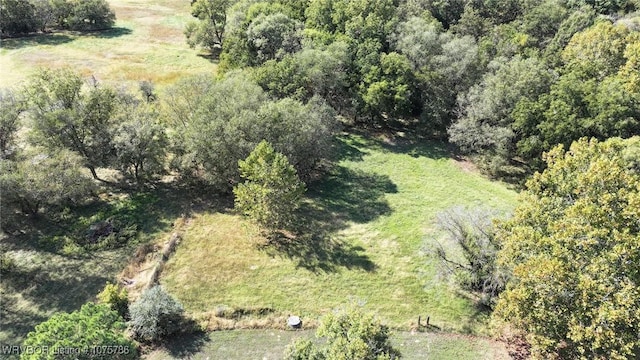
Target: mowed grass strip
pixel 271 344
pixel 372 218
pixel 146 43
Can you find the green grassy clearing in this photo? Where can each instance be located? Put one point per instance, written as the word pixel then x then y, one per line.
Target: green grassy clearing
pixel 368 224
pixel 270 345
pixel 147 43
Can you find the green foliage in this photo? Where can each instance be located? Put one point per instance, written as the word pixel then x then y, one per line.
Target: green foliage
pixel 27 16
pixel 37 180
pixel 349 334
pixel 94 328
pixel 90 15
pixel 486 126
pixel 473 232
pixel 208 30
pixel 155 315
pixel 573 248
pixel 598 51
pixel 235 116
pixel 594 96
pixel 11 106
pixel 18 17
pixel 117 298
pixel 258 31
pixel 273 36
pixel 140 142
pixel 609 7
pixel 393 90
pixel 272 190
pixel 444 66
pixel 66 117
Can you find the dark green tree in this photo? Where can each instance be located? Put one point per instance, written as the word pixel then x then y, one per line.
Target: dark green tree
pixel 90 15
pixel 140 142
pixel 272 36
pixel 94 328
pixel 272 190
pixel 18 17
pixel 235 116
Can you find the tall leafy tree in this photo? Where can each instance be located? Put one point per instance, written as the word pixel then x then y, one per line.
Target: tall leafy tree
pixel 90 15
pixel 66 116
pixel 272 190
pixel 208 30
pixel 573 247
pixel 235 116
pixel 272 36
pixel 486 124
pixel 140 143
pixel 18 17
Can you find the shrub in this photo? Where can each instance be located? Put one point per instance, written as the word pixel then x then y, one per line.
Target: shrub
pixel 473 232
pixel 349 334
pixel 155 315
pixel 117 298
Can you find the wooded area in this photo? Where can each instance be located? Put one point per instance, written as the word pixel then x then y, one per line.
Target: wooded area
pixel 543 94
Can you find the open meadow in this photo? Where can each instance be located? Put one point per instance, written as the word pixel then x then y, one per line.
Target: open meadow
pixel 146 43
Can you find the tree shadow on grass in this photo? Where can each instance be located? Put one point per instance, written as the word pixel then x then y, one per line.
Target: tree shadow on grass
pixel 110 33
pixel 212 56
pixel 35 40
pixel 60 37
pixel 185 345
pixel 30 294
pixel 319 253
pixel 343 196
pixel 150 211
pixel 409 143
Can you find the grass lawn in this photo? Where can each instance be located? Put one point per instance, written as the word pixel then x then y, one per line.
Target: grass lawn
pixel 147 43
pixel 369 225
pixel 271 344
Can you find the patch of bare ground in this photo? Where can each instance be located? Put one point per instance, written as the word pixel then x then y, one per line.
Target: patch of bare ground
pixel 144 269
pixel 466 165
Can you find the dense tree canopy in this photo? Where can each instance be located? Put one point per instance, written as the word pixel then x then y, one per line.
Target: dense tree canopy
pixel 573 247
pixel 208 30
pixel 236 115
pixel 27 16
